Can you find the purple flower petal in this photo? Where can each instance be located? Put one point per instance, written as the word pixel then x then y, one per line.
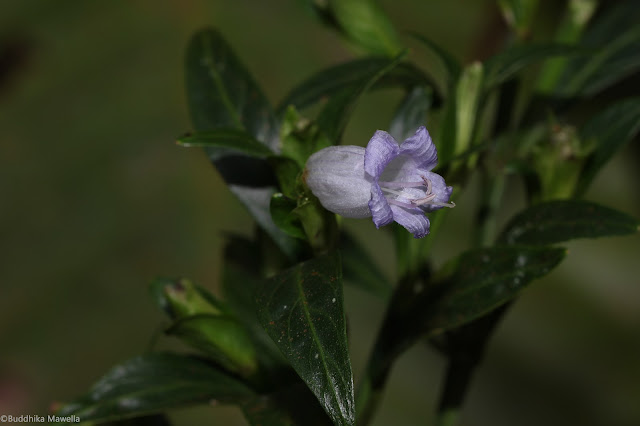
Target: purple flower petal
pixel 421 149
pixel 382 148
pixel 380 210
pixel 412 220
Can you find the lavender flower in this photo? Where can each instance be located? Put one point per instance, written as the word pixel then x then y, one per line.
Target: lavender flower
pixel 384 181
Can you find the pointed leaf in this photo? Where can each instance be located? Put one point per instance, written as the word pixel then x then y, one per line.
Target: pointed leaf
pixel 563 220
pixel 615 38
pixel 154 383
pixel 506 64
pixel 610 129
pixel 302 311
pixel 364 23
pixel 485 279
pixel 227 140
pixel 222 94
pixel 330 81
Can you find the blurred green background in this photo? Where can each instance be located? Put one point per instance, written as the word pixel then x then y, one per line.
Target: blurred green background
pixel 97 200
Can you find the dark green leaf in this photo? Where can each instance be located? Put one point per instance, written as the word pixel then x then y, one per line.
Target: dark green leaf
pixel 332 80
pixel 336 113
pixel 289 406
pixel 154 383
pixel 411 113
pixel 240 279
pixel 227 141
pixel 302 311
pixel 615 39
pixel 485 279
pixel 563 220
pixel 609 130
pixel 284 217
pixel 360 270
pixel 449 62
pixel 221 95
pixel 507 63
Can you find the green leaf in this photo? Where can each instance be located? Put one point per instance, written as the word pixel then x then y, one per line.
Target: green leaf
pixel 519 14
pixel 283 216
pixel 364 23
pixel 222 338
pixel 468 92
pixel 563 220
pixel 451 65
pixel 227 140
pixel 360 270
pixel 609 130
pixel 242 275
pixel 302 311
pixel 336 113
pixel 483 280
pixel 615 36
pixel 221 95
pixel 411 113
pixel 506 64
pixel 330 81
pixel 154 383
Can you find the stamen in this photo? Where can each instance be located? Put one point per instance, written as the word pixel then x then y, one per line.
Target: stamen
pixel 413 203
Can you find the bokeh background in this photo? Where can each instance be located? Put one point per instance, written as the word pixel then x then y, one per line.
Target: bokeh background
pixel 96 200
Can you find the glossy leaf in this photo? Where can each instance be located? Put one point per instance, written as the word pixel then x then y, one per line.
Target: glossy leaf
pixel 485 279
pixel 330 81
pixel 154 383
pixel 506 64
pixel 221 95
pixel 335 115
pixel 609 130
pixel 411 113
pixel 360 270
pixel 227 140
pixel 563 220
pixel 282 212
pixel 302 311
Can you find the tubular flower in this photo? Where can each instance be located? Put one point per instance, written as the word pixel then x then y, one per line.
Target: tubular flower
pixel 385 181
